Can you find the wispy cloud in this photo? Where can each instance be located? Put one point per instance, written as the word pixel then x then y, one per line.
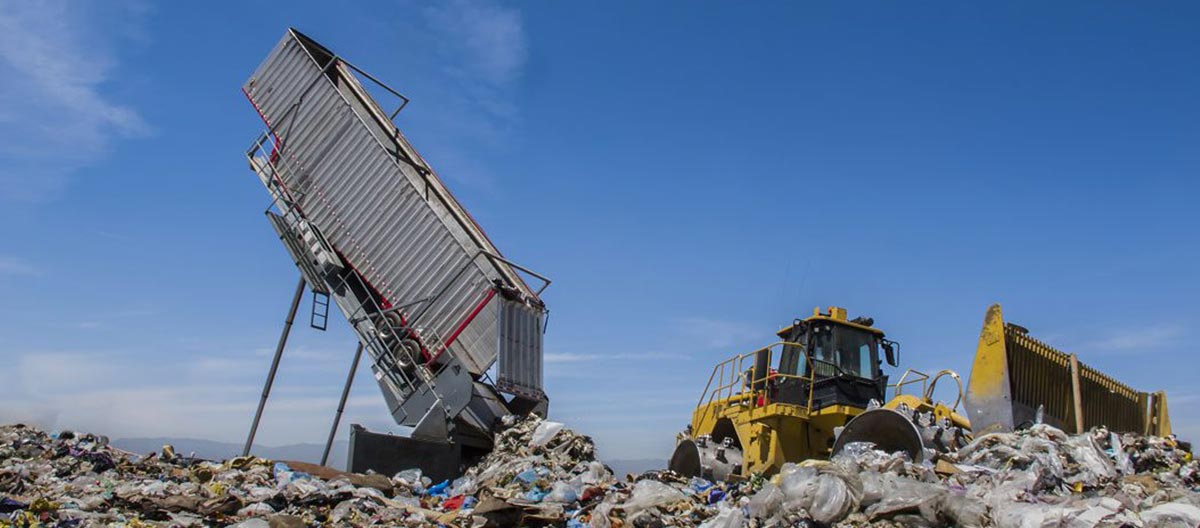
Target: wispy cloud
pixel 1184 398
pixel 718 333
pixel 1135 339
pixel 16 266
pixel 481 50
pixel 56 117
pixel 488 38
pixel 214 398
pixel 570 357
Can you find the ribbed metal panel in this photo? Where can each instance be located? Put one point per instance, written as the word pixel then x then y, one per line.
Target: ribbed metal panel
pixel 520 369
pixel 1041 375
pixel 358 180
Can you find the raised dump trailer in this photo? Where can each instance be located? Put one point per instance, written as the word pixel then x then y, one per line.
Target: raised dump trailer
pixel 370 225
pixel 1014 375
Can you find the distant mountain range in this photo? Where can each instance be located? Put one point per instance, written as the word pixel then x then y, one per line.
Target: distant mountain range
pixel 214 450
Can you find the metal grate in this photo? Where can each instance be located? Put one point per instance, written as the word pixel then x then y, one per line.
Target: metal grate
pixel 1042 375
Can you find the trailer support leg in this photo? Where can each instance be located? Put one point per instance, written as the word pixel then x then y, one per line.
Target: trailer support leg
pixel 283 337
pixel 337 417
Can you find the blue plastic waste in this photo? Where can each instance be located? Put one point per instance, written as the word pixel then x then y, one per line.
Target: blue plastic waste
pixel 715 496
pixel 536 494
pixel 439 488
pixel 528 476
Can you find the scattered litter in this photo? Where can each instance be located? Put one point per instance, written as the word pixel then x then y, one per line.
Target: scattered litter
pixel 541 473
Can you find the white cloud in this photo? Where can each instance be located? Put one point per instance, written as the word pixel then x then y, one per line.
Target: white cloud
pixel 488 38
pixel 308 354
pixel 718 333
pixel 16 266
pixel 213 398
pixel 1135 339
pixel 569 357
pixel 479 50
pixel 55 117
pixel 1184 398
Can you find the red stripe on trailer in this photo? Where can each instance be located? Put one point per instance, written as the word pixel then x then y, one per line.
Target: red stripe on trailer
pixel 385 304
pixel 463 325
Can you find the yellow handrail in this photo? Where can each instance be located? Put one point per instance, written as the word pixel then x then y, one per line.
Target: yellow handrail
pixel 739 388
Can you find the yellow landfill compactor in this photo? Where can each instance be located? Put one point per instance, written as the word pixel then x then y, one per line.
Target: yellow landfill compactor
pixel 823 387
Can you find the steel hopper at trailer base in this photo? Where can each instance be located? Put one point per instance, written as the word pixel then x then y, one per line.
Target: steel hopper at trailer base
pixel 371 226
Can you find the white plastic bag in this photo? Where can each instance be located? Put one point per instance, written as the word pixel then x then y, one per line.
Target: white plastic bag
pixel 600 514
pixel 1172 514
pixel 1124 464
pixel 766 502
pixel 887 494
pixel 827 492
pixel 595 474
pixel 562 492
pixel 257 509
pixel 410 477
pixel 650 493
pixel 462 486
pixel 728 517
pixel 545 432
pixel 1095 466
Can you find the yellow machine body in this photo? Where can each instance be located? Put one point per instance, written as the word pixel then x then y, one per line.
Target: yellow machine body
pixel 1015 374
pixel 737 403
pixel 738 423
pixel 774 433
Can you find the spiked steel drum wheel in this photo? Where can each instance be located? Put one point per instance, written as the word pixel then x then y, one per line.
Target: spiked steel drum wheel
pixel 889 430
pixel 702 457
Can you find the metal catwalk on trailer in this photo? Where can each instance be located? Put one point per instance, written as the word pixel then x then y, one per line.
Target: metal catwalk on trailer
pixel 370 225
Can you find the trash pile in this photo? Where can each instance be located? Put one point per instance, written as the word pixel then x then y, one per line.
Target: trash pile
pixel 543 474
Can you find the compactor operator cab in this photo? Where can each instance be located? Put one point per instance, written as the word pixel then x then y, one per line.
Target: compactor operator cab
pixel 843 361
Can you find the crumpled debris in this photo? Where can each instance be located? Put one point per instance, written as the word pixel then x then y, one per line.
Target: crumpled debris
pixel 541 473
pixel 1038 477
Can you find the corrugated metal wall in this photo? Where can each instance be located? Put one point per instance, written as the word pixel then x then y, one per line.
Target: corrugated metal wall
pixel 1041 375
pixel 348 173
pixel 520 344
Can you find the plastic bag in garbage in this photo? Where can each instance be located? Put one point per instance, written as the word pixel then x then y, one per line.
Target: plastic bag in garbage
pixel 1095 466
pixel 886 494
pixel 1124 464
pixel 650 493
pixel 562 492
pixel 963 511
pixel 766 502
pixel 409 477
pixel 595 473
pixel 1171 515
pixel 826 491
pixel 699 485
pixel 256 510
pixel 253 522
pixel 727 517
pixel 545 432
pixel 600 514
pixel 462 486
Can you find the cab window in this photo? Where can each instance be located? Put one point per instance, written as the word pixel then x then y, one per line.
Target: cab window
pixel 837 350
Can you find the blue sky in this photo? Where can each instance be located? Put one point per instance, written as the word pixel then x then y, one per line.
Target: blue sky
pixel 691 175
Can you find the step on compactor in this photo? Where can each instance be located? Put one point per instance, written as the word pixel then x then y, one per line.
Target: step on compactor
pixel 824 387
